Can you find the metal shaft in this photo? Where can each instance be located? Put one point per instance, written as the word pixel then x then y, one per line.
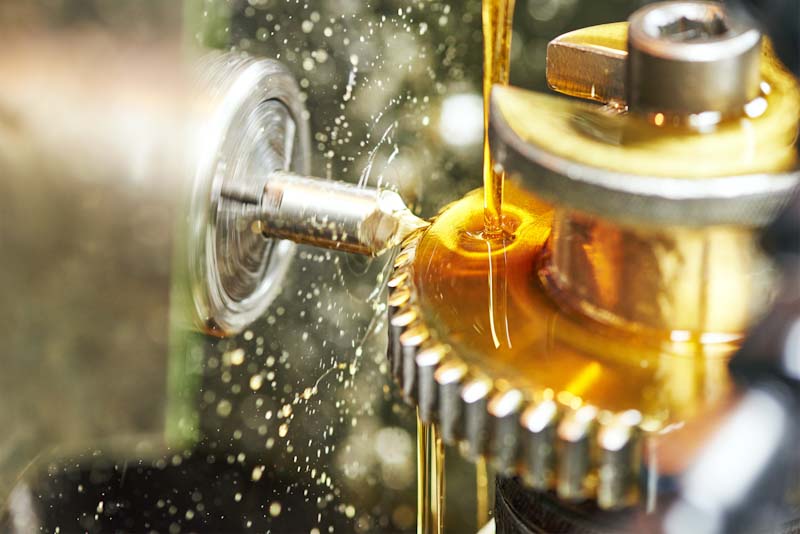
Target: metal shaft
pixel 334 215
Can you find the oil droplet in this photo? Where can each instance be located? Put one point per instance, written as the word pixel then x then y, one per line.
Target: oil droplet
pixel 256 381
pixel 224 408
pixel 258 472
pixel 275 509
pixel 283 430
pixel 233 357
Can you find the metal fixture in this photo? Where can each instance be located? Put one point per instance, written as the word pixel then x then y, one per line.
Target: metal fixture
pixel 256 129
pixel 691 58
pixel 686 59
pixel 252 196
pixel 679 182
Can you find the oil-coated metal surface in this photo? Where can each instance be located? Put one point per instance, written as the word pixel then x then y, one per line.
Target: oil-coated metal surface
pixel 549 446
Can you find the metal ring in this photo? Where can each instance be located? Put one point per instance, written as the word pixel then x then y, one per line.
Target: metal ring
pixel 748 200
pixel 256 126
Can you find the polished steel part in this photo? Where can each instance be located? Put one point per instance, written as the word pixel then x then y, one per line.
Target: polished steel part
pixel 708 281
pixel 576 433
pixel 691 58
pixel 257 128
pixel 539 423
pixel 590 63
pixel 687 234
pixel 251 196
pixel 475 395
pixel 620 456
pixel 751 200
pixel 688 60
pixel 581 452
pixel 553 440
pixel 504 410
pixel 334 215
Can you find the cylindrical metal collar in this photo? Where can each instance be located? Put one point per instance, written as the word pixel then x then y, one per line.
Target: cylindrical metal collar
pixel 688 58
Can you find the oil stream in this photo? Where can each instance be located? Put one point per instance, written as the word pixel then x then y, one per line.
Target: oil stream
pixel 496 18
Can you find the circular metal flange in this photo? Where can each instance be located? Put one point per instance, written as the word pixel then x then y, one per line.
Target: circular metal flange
pixel 751 200
pixel 255 127
pixel 580 452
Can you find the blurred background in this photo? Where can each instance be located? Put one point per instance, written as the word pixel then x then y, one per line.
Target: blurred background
pixel 117 416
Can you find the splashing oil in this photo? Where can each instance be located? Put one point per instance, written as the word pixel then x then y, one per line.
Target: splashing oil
pixel 430 479
pixel 496 20
pixel 496 233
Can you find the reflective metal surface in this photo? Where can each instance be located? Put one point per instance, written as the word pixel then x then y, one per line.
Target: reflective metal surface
pixel 335 215
pixel 592 174
pixel 643 254
pixel 252 125
pixel 294 424
pixel 691 58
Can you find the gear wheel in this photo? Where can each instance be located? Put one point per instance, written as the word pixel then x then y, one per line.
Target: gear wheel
pixel 570 406
pixel 579 451
pixel 632 350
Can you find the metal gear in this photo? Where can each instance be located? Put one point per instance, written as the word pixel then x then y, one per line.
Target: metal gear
pixel 650 207
pixel 581 452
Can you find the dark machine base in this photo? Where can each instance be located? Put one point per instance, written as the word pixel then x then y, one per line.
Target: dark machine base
pixel 519 510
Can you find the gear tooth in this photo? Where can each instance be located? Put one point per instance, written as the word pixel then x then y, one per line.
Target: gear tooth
pixel 539 422
pixel 399 296
pixel 619 442
pixel 575 446
pixel 399 319
pixel 404 259
pixel 504 409
pixel 399 277
pixel 474 403
pixel 450 377
pixel 410 342
pixel 428 360
pixel 411 240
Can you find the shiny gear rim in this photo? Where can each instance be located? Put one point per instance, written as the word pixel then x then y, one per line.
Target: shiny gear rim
pixel 581 452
